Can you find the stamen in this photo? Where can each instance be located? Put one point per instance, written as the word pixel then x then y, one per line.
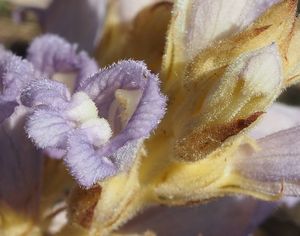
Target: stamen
pixel 128 101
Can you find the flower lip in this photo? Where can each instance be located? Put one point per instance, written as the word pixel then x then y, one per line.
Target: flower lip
pixel 51 54
pixel 14 74
pixel 128 86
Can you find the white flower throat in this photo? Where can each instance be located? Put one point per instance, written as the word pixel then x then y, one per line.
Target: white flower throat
pixel 85 115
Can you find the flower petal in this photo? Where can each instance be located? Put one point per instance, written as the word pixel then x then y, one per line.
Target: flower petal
pixel 274 166
pixel 14 74
pixel 45 92
pixel 51 54
pixel 48 128
pixel 128 75
pixel 84 162
pixel 83 23
pixel 20 166
pixel 6 109
pixel 120 150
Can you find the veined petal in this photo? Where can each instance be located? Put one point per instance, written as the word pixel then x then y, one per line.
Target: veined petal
pixel 48 128
pixel 51 54
pixel 128 75
pixel 121 149
pixel 45 92
pixel 84 163
pixel 87 16
pixel 276 158
pixel 272 167
pixel 15 73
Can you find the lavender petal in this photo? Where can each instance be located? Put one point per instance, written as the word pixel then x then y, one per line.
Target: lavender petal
pixel 15 73
pixel 51 54
pixel 45 92
pixel 277 162
pixel 6 109
pixel 84 162
pixel 20 166
pixel 48 128
pixel 128 75
pixel 83 159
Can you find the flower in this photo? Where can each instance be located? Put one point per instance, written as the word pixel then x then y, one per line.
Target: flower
pixel 222 68
pixel 126 95
pixel 64 121
pixel 68 124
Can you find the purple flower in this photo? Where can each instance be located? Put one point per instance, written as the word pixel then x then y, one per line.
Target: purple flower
pixel 99 125
pixel 20 166
pixel 14 74
pixel 53 55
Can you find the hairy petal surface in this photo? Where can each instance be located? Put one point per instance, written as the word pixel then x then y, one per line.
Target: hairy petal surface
pixel 128 75
pixel 121 149
pixel 51 54
pixel 48 128
pixel 84 163
pixel 45 92
pixel 14 74
pixel 102 124
pixel 47 125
